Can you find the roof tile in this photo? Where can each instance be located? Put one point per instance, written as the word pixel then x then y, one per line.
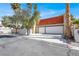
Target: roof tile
pixel 53 20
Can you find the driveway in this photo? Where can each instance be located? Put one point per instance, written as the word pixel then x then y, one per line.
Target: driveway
pixel 29 46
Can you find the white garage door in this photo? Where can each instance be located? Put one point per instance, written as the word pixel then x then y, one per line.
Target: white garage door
pixel 52 29
pixel 55 29
pixel 41 29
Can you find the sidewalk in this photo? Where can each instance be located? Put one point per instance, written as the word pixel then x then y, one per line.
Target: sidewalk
pixel 74 45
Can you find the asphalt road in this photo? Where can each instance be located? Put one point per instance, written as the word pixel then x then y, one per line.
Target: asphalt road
pixel 23 46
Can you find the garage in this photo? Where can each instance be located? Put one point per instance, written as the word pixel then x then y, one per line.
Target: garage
pixel 54 25
pixel 52 29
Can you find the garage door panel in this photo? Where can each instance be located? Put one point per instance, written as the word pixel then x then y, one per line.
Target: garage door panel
pixel 54 29
pixel 42 30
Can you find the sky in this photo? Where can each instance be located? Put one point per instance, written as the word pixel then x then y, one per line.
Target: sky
pixel 47 10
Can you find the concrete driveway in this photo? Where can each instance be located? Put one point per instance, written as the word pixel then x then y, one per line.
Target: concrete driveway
pixel 29 46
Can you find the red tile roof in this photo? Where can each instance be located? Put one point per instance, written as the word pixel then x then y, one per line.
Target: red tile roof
pixel 53 20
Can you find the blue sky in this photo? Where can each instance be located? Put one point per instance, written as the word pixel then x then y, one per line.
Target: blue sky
pixel 46 10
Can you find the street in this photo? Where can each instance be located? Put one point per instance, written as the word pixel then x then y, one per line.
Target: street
pixel 25 46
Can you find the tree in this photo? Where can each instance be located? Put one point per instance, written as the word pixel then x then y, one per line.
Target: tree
pixel 15 6
pixel 16 22
pixel 36 17
pixel 31 18
pixel 16 19
pixel 6 21
pixel 76 22
pixel 27 17
pixel 68 33
pixel 12 21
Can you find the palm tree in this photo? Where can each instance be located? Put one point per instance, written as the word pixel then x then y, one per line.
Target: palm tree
pixel 15 6
pixel 31 18
pixel 28 18
pixel 27 23
pixel 16 19
pixel 36 17
pixel 68 33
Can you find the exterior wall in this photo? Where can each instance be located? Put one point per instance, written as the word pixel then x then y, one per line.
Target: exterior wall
pixel 76 35
pixel 72 30
pixel 52 29
pixel 5 30
pixel 24 31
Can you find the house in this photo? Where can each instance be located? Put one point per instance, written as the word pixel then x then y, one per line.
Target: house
pixel 57 25
pixel 4 30
pixel 53 25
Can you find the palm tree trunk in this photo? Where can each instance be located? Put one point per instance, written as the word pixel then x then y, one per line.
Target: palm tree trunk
pixel 68 33
pixel 34 29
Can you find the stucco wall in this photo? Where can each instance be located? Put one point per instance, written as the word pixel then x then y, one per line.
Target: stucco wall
pixel 76 35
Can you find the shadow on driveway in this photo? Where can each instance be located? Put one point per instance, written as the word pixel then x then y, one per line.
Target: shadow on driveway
pixel 7 36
